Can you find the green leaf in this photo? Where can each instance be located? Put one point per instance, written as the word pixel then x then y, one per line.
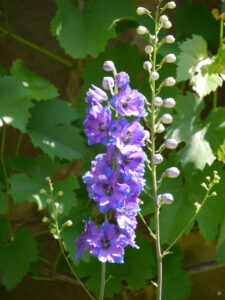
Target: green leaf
pixel 26 188
pixel 220 257
pixel 176 282
pixel 14 104
pixel 16 257
pixel 223 6
pixel 36 87
pixel 191 63
pixel 55 135
pixel 221 152
pixel 83 31
pixel 3 203
pixel 139 265
pixel 215 125
pixel 218 65
pixel 222 232
pixel 187 127
pixel 194 18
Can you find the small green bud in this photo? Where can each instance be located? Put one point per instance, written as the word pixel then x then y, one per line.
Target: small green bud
pixel 142 10
pixel 142 30
pixel 204 186
pixel 214 194
pixel 48 201
pixel 42 191
pixel 171 5
pixel 53 231
pixel 56 204
pixel 46 220
pixel 60 193
pixel 149 49
pixel 208 178
pixel 198 206
pixel 68 223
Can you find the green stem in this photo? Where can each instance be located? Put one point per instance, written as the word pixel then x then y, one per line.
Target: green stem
pixel 215 97
pixel 36 47
pixel 56 264
pixel 18 145
pixel 188 224
pixel 102 287
pixel 2 151
pixel 40 233
pixel 42 278
pixel 221 32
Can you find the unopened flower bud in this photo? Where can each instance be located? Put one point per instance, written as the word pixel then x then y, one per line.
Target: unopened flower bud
pixel 171 5
pixel 48 201
pixel 169 103
pixel 43 191
pixel 214 194
pixel 142 30
pixel 171 143
pixel 68 223
pixel 147 66
pixel 167 119
pixel 159 128
pixel 167 25
pixel 60 193
pixel 141 11
pixel 122 79
pixel 157 101
pixel 208 178
pixel 169 58
pixel 46 220
pixel 204 185
pixel 56 204
pixel 170 81
pixel 152 39
pixel 107 83
pixel 172 172
pixel 154 75
pixel 198 206
pixel 169 39
pixel 166 198
pixel 108 66
pixel 163 18
pixel 149 49
pixel 52 230
pixel 157 158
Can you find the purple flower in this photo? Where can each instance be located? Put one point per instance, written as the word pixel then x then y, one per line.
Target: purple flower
pixel 129 102
pixel 122 79
pixel 130 135
pixel 97 124
pixel 96 95
pixel 107 244
pixel 132 161
pixel 108 193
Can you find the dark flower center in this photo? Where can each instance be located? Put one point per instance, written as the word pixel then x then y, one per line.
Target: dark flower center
pixel 126 139
pixel 101 127
pixel 125 103
pixel 126 160
pixel 105 243
pixel 109 189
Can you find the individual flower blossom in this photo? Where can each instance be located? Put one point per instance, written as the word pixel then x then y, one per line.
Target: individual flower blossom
pixel 108 193
pixel 96 95
pixel 81 242
pixel 129 102
pixel 107 244
pixel 122 79
pixel 132 161
pixel 130 135
pixel 97 124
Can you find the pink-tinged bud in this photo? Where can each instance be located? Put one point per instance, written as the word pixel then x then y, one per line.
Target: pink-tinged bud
pixel 167 119
pixel 165 199
pixel 149 49
pixel 108 66
pixel 147 66
pixel 159 128
pixel 157 158
pixel 171 143
pixel 142 30
pixel 172 172
pixel 171 5
pixel 170 58
pixel 154 75
pixel 169 39
pixel 141 11
pixel 167 25
pixel 169 103
pixel 157 101
pixel 107 83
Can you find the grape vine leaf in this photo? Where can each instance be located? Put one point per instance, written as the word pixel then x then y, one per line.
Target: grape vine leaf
pixel 187 127
pixel 86 30
pixel 3 203
pixel 16 257
pixel 222 232
pixel 139 265
pixel 194 18
pixel 176 283
pixel 37 87
pixel 55 135
pixel 14 104
pixel 192 61
pixel 221 152
pixel 218 64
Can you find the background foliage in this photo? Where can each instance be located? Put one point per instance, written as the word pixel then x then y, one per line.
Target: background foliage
pixel 33 112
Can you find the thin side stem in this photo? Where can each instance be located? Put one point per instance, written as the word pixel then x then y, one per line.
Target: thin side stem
pixel 221 32
pixel 18 145
pixel 149 229
pixel 188 224
pixel 36 47
pixel 102 287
